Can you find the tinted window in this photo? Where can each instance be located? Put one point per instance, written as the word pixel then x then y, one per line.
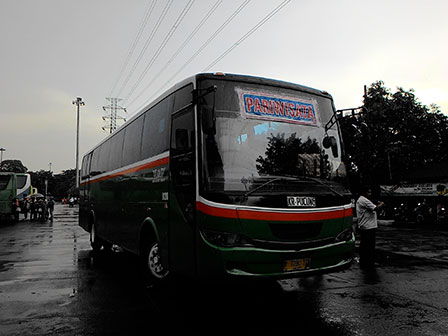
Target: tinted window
pixel 183 131
pixel 116 149
pixel 85 165
pixel 132 142
pixel 104 155
pixel 183 97
pixel 21 180
pixel 155 129
pixel 94 166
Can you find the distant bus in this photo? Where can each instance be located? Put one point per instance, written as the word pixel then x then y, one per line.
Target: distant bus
pixel 8 191
pixel 224 175
pixel 13 185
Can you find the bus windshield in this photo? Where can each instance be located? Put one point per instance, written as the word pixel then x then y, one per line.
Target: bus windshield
pixel 21 181
pixel 269 140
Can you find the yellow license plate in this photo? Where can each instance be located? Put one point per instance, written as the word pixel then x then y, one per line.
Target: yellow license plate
pixel 296 264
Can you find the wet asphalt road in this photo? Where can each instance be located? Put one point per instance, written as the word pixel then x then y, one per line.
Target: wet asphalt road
pixel 50 284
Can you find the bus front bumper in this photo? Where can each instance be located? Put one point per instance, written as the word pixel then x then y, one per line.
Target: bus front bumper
pixel 268 263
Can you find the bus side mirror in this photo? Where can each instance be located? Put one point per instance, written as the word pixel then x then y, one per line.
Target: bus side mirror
pixel 208 120
pixel 330 141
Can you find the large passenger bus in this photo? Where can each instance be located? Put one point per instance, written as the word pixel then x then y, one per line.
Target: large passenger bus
pixel 224 175
pixel 13 186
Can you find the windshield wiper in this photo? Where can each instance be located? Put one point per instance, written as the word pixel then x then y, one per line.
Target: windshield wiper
pixel 314 179
pixel 303 178
pixel 264 184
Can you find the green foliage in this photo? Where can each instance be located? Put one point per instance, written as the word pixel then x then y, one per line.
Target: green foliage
pixel 394 134
pixel 14 166
pixel 58 185
pixel 282 155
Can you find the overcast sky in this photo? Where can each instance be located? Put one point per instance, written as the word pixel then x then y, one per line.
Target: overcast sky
pixel 53 51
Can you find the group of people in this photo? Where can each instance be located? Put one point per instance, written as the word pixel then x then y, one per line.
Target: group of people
pixel 39 208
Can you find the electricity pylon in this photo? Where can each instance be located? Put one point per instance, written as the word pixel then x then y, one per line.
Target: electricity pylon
pixel 113 116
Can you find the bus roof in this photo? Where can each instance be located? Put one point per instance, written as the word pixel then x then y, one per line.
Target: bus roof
pixel 219 76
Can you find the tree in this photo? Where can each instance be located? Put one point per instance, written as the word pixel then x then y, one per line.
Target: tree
pixel 14 166
pixel 58 185
pixel 38 179
pixel 63 183
pixel 282 155
pixel 393 134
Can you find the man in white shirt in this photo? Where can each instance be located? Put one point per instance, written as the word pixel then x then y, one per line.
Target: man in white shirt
pixel 367 225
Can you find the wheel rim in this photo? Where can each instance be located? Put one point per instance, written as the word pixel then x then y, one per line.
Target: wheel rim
pixel 155 264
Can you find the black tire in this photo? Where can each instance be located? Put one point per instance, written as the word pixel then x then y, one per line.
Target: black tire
pixel 152 269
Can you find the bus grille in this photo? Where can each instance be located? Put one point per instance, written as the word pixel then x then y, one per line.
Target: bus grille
pixel 295 231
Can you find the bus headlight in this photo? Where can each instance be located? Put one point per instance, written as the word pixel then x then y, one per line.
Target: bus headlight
pixel 345 235
pixel 225 239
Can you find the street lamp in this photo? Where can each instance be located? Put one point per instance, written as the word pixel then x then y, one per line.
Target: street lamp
pixel 78 102
pixel 1 154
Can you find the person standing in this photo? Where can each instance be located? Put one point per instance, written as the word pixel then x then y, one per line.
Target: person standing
pixel 367 226
pixel 25 206
pixel 50 206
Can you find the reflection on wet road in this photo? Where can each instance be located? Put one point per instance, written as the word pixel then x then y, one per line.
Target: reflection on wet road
pixel 50 283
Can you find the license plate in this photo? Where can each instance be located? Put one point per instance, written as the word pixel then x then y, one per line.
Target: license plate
pixel 301 201
pixel 296 264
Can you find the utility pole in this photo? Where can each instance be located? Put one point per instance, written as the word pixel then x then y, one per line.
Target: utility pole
pixel 1 154
pixel 78 102
pixel 113 116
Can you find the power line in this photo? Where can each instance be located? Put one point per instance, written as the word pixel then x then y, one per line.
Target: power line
pixel 250 32
pixel 147 43
pixel 206 43
pixel 235 13
pixel 162 46
pixel 184 44
pixel 134 44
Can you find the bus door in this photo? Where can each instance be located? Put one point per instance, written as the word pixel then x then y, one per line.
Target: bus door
pixel 183 194
pixel 84 191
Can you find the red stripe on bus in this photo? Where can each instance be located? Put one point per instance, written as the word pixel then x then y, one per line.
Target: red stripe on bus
pixel 275 216
pixel 214 211
pixel 145 166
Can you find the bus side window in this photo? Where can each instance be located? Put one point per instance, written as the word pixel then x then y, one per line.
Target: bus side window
pixel 132 142
pixel 155 131
pixel 183 97
pixel 116 149
pixel 85 167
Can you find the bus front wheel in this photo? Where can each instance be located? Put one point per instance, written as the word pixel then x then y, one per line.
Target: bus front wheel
pixel 96 242
pixel 152 267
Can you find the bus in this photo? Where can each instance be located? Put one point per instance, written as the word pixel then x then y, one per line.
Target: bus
pixel 13 186
pixel 8 192
pixel 226 176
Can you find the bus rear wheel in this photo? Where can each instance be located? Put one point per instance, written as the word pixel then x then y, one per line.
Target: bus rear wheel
pixel 153 269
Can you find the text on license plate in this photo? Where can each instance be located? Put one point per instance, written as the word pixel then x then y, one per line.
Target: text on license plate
pixel 301 201
pixel 296 264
